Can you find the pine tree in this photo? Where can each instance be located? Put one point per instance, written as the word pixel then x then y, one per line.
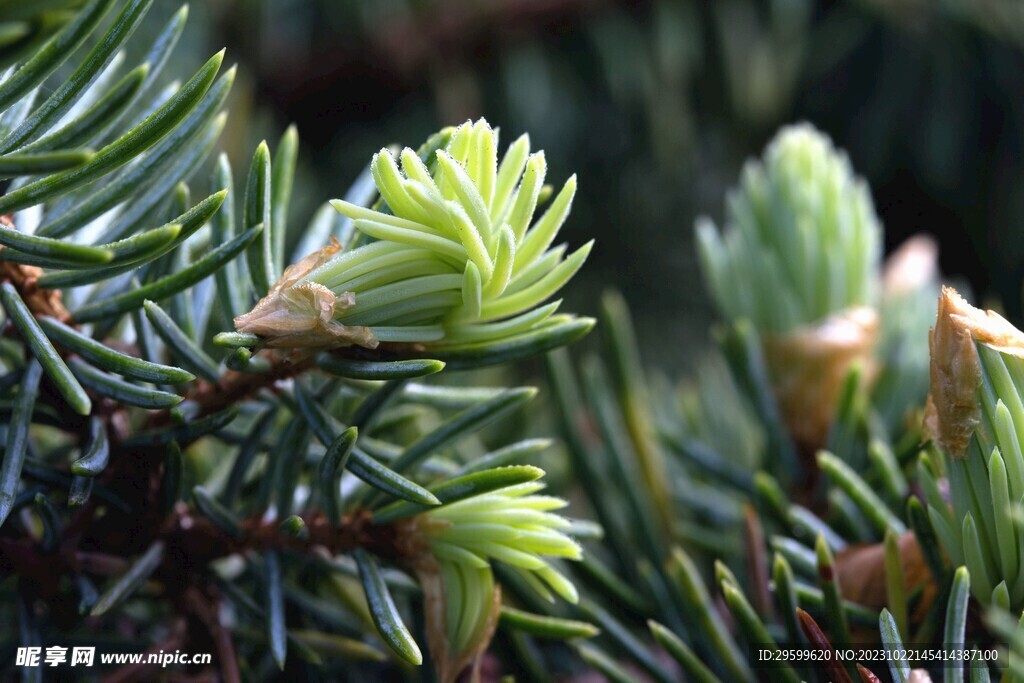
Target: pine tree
pixel 226 448
pixel 212 444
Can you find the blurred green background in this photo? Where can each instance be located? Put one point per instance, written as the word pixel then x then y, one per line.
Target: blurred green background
pixel 656 105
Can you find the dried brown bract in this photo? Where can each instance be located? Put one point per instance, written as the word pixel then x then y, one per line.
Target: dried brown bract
pixel 808 367
pixel 301 315
pixel 953 410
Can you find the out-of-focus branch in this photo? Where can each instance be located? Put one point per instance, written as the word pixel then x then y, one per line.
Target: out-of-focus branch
pixel 453 28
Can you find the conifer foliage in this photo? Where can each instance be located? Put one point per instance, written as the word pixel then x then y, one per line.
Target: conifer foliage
pixel 214 441
pixel 224 447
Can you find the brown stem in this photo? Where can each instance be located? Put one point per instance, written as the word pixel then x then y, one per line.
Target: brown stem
pixel 234 387
pixel 194 541
pixel 205 610
pixel 757 560
pixel 101 564
pixel 144 671
pixel 103 545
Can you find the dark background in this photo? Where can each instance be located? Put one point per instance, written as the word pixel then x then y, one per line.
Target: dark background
pixel 656 105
